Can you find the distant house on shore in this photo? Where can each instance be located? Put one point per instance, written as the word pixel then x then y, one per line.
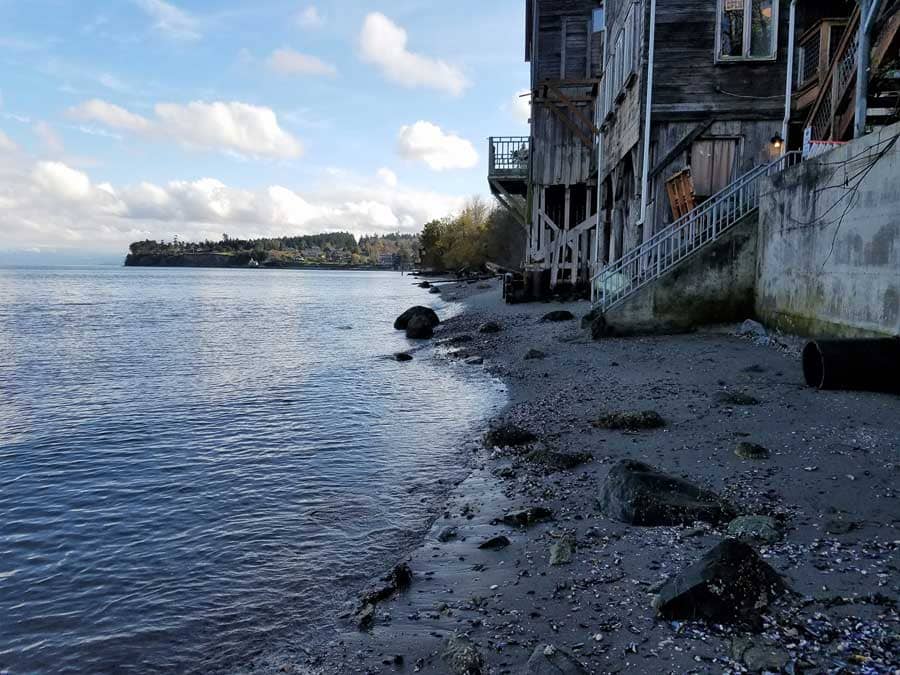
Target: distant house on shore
pixel 386 260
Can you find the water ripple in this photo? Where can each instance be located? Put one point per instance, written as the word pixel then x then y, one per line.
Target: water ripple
pixel 196 464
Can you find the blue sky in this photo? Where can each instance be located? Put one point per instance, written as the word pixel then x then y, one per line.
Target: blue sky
pixel 148 118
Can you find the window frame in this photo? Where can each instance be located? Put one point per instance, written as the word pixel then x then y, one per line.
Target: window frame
pixel 747 35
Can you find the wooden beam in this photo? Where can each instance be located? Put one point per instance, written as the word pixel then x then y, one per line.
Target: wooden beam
pixel 572 126
pixel 682 145
pixel 563 41
pixel 571 104
pixel 570 82
pixel 549 221
pixel 507 200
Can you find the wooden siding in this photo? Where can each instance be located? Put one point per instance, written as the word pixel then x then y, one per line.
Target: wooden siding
pixel 689 83
pixel 754 148
pixel 560 157
pixel 567 49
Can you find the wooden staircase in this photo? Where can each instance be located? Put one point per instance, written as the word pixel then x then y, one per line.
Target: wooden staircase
pixel 831 117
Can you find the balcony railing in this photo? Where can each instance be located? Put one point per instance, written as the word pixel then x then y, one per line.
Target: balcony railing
pixel 823 116
pixel 815 49
pixel 508 156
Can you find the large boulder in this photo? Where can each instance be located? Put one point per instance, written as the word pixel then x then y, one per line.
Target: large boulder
pixel 553 660
pixel 420 328
pixel 731 583
pixel 403 320
pixel 638 494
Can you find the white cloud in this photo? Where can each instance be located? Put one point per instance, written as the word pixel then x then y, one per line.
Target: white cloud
pixel 310 18
pixel 383 43
pixel 521 105
pixel 61 181
pixel 387 177
pixel 427 142
pixel 288 62
pixel 229 127
pixel 49 138
pixel 6 145
pixel 51 204
pixel 111 115
pixel 170 20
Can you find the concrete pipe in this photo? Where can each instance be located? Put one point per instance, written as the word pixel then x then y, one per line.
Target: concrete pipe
pixel 862 365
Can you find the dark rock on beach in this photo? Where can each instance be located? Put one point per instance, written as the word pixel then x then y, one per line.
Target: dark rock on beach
pixel 447 534
pixel 549 659
pixel 508 436
pixel 434 290
pixel 638 494
pixel 490 327
pixel 403 356
pixel 462 656
pixel 495 543
pixel 398 579
pixel 527 517
pixel 419 327
pixel 403 320
pixel 754 529
pixel 735 398
pixel 729 584
pixel 533 354
pixel 588 319
pixel 631 420
pixel 558 315
pixel 551 461
pixel 759 655
pixel 747 450
pixel 562 550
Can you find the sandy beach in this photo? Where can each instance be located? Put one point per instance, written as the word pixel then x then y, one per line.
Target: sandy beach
pixel 573 590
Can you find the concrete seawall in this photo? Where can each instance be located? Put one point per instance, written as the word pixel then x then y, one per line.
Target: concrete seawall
pixel 829 242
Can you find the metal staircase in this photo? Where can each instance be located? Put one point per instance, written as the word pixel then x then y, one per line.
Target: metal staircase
pixel 644 264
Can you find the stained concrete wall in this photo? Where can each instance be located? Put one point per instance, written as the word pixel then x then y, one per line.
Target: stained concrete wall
pixel 715 284
pixel 829 242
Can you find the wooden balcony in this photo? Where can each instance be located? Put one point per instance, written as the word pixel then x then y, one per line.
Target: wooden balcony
pixel 509 170
pixel 508 156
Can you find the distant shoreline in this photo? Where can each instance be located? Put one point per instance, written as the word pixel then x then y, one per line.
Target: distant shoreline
pixel 183 261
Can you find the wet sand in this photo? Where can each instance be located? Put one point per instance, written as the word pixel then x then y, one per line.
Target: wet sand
pixel 831 484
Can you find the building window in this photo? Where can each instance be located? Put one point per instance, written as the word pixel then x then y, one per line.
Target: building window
pixel 747 29
pixel 599 22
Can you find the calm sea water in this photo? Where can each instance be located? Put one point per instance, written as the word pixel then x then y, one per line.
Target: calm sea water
pixel 197 464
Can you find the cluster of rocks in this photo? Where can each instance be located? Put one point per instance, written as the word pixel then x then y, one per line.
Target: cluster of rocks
pixel 716 582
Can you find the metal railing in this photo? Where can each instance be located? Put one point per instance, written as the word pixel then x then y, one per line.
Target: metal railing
pixel 668 247
pixel 508 155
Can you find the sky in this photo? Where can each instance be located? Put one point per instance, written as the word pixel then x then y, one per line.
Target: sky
pixel 124 120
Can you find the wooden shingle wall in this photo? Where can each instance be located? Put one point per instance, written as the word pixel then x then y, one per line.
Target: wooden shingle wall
pixel 568 54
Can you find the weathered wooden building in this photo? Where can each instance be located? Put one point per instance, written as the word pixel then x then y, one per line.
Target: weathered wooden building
pixel 554 169
pixel 716 106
